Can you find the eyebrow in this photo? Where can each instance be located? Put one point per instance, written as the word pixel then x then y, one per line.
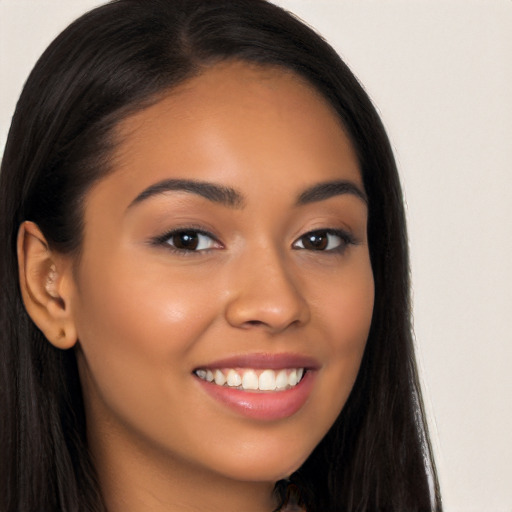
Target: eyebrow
pixel 231 198
pixel 226 196
pixel 326 190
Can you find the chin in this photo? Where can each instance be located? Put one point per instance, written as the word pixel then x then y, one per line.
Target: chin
pixel 264 468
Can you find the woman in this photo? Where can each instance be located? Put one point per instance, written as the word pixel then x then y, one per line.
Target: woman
pixel 205 278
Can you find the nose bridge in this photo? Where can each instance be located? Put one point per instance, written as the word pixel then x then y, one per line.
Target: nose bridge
pixel 264 292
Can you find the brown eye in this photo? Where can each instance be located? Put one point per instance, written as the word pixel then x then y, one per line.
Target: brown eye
pixel 324 240
pixel 190 240
pixel 187 240
pixel 315 241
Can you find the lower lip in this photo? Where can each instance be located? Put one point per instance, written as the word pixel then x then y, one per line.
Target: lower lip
pixel 266 406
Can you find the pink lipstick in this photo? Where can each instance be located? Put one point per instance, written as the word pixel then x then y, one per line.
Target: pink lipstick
pixel 265 387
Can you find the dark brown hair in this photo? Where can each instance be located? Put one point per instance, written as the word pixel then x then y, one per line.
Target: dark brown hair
pixel 116 60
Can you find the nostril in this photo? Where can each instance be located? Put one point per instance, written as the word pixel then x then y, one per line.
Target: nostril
pixel 254 322
pixel 260 323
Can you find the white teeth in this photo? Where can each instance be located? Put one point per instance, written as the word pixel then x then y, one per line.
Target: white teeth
pixel 282 380
pixel 234 379
pixel 267 381
pixel 220 378
pixel 253 380
pixel 201 374
pixel 250 380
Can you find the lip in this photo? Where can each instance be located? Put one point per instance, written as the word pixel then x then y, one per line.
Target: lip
pixel 261 361
pixel 262 405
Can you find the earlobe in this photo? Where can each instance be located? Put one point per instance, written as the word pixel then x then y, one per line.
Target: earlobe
pixel 44 277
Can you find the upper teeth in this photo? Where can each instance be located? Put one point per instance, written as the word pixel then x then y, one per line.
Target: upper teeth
pixel 252 380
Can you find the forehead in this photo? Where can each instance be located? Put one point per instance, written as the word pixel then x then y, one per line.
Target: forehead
pixel 236 86
pixel 230 121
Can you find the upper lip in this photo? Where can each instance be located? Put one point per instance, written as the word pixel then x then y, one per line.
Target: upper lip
pixel 264 361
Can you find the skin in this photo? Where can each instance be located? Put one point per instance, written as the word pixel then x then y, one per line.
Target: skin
pixel 146 315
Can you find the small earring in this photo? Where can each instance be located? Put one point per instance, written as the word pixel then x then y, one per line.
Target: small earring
pixel 50 281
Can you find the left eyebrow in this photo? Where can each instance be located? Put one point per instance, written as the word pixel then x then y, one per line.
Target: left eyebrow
pixel 328 189
pixel 226 196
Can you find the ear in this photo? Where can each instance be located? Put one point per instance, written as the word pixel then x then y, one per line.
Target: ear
pixel 46 282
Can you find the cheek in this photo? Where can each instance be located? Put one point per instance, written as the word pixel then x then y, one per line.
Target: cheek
pixel 140 308
pixel 345 307
pixel 344 311
pixel 135 332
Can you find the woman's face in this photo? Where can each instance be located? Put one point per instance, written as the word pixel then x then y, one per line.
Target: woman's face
pixel 229 243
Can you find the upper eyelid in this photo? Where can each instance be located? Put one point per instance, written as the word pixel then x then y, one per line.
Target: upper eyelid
pixel 343 232
pixel 162 241
pixel 201 230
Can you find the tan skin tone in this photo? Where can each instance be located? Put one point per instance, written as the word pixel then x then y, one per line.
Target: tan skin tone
pixel 144 314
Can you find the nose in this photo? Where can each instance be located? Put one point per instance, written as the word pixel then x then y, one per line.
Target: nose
pixel 264 294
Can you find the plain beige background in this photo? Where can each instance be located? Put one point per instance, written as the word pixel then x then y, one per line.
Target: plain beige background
pixel 440 72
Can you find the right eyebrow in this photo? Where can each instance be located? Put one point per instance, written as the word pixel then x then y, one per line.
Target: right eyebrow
pixel 226 196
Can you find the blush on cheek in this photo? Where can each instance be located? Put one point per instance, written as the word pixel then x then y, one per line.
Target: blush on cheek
pixel 351 318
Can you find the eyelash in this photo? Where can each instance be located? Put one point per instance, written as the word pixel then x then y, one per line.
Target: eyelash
pixel 345 239
pixel 163 240
pixel 322 235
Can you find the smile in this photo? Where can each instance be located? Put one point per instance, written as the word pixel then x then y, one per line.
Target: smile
pixel 248 379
